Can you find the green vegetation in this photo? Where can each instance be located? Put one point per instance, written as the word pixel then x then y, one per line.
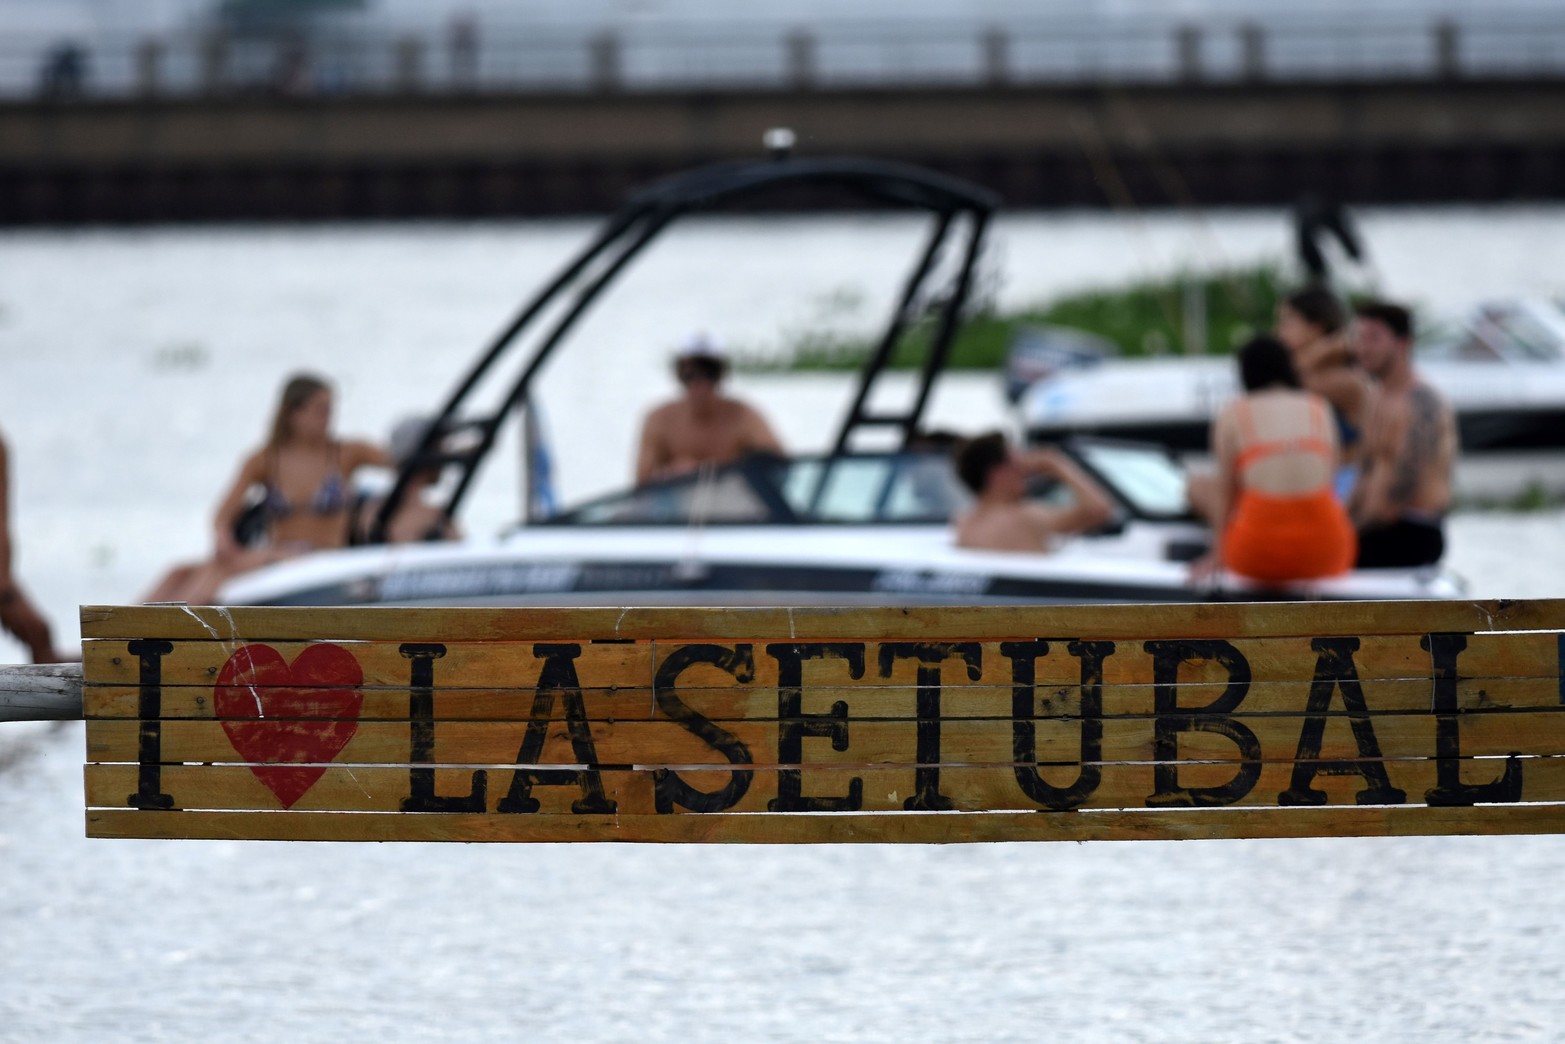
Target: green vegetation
pixel 1144 318
pixel 1535 497
pixel 1149 318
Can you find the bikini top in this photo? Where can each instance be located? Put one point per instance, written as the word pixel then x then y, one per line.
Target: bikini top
pixel 1347 432
pixel 1258 449
pixel 330 498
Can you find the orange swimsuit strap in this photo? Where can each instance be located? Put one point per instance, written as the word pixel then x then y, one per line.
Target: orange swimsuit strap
pixel 1257 449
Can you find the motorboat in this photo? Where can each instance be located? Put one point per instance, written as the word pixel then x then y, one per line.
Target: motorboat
pixel 1501 366
pixel 837 529
pixel 856 524
pixel 1502 369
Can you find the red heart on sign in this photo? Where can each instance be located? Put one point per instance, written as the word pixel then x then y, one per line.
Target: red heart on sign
pixel 299 714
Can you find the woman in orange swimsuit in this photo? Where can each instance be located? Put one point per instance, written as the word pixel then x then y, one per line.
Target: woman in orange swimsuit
pixel 1277 450
pixel 303 475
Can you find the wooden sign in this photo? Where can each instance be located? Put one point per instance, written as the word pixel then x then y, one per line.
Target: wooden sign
pixel 930 724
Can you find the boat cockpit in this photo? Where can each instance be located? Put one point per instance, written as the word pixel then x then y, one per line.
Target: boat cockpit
pixel 910 487
pixel 850 489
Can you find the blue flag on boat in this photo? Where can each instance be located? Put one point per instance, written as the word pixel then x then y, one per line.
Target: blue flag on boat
pixel 541 501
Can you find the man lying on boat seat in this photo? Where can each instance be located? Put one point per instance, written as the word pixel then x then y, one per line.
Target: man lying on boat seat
pixel 1003 518
pixel 703 426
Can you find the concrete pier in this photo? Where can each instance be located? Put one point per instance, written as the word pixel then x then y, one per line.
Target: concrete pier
pixel 243 157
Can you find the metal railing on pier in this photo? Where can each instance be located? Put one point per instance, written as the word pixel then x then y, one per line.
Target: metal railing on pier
pixel 464 56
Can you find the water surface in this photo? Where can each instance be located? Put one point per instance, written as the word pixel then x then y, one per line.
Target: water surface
pixel 138 365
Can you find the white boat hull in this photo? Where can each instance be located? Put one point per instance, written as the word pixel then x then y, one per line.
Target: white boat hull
pixel 773 565
pixel 1173 402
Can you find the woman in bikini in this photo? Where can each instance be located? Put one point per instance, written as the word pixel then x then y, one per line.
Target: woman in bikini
pixel 1277 450
pixel 303 475
pixel 1312 323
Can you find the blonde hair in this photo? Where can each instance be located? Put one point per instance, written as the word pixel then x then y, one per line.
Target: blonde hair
pixel 300 389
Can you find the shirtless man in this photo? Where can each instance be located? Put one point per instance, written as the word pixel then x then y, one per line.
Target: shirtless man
pixel 703 426
pixel 1410 447
pixel 1003 519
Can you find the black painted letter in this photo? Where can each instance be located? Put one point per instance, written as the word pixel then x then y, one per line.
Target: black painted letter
pixel 1335 669
pixel 930 655
pixel 1449 788
pixel 558 675
pixel 1024 745
pixel 668 788
pixel 793 725
pixel 1174 719
pixel 421 722
pixel 149 740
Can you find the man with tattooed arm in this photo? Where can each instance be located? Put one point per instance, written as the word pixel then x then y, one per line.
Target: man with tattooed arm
pixel 1410 446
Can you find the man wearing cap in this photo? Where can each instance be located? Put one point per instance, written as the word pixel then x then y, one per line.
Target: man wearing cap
pixel 703 426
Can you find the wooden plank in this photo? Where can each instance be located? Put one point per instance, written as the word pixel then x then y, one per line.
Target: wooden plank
pixel 768 664
pixel 420 724
pixel 862 703
pixel 854 828
pixel 877 788
pixel 383 664
pixel 1197 620
pixel 987 741
pixel 392 704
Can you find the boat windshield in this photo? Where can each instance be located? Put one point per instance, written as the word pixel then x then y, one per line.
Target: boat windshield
pixel 1146 478
pixel 724 496
pixel 849 489
pixel 1522 332
pixel 1511 331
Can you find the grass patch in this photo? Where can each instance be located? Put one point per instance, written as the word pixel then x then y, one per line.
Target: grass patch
pixel 1150 317
pixel 1536 497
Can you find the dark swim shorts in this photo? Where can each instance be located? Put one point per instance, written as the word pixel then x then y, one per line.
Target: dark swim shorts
pixel 1400 545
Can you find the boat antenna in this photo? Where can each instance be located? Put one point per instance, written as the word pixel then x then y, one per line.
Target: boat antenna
pixel 779 142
